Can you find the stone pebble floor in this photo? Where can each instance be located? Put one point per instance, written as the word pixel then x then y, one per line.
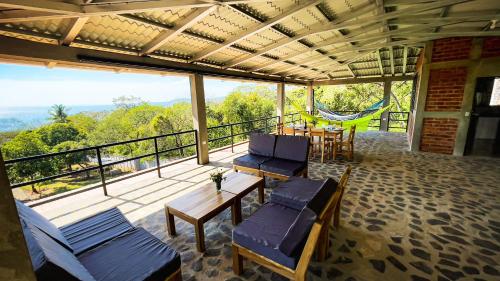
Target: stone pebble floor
pixel 405 216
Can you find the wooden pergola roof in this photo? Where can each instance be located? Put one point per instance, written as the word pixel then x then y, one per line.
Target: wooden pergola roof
pixel 285 40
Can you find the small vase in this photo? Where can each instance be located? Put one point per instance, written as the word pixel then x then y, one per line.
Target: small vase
pixel 218 185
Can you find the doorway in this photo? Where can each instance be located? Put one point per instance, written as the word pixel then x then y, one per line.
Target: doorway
pixel 483 137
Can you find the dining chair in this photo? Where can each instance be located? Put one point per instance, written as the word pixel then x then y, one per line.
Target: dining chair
pixel 318 142
pixel 279 128
pixel 347 146
pixel 288 131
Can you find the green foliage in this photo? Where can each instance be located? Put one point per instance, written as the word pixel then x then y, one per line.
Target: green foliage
pixel 26 144
pixel 70 159
pixel 59 113
pixel 86 123
pixel 56 133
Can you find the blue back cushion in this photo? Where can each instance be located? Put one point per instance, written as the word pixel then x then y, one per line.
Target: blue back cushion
pixel 262 144
pixel 50 260
pixel 34 218
pixel 322 196
pixel 297 234
pixel 295 148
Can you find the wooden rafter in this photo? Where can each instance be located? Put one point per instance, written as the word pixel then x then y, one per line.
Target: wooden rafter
pixel 314 29
pixel 347 20
pixel 381 67
pixel 443 14
pixel 405 59
pixel 358 36
pixel 391 55
pixel 74 27
pixel 182 25
pixel 254 29
pixel 350 71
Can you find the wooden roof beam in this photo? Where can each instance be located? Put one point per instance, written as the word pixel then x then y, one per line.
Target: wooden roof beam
pixel 405 59
pixel 182 25
pixel 74 27
pixel 350 70
pixel 254 29
pixel 380 65
pixel 391 55
pixel 344 21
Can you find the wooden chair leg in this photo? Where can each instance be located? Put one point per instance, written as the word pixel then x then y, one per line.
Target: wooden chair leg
pixel 336 217
pixel 323 152
pixel 322 246
pixel 237 261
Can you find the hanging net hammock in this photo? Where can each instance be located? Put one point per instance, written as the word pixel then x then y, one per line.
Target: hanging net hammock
pixel 334 116
pixel 361 119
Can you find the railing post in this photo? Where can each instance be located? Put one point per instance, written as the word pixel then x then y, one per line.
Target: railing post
pixel 101 171
pixel 266 126
pixel 407 120
pixel 157 157
pixel 232 137
pixel 197 148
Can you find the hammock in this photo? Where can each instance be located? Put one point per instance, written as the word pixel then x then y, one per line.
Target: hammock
pixel 362 122
pixel 333 116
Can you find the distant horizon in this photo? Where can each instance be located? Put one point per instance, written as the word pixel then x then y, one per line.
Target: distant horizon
pixel 36 86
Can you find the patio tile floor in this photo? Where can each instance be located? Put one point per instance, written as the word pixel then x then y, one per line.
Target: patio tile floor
pixel 405 216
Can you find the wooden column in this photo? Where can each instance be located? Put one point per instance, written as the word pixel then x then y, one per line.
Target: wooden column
pixel 280 101
pixel 199 115
pixel 15 262
pixel 310 98
pixel 384 118
pixel 418 110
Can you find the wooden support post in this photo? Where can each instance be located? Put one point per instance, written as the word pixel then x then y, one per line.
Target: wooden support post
pixel 15 262
pixel 310 98
pixel 418 111
pixel 280 102
pixel 384 118
pixel 199 115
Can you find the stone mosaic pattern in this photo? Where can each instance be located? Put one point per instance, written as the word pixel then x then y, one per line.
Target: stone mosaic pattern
pixel 405 216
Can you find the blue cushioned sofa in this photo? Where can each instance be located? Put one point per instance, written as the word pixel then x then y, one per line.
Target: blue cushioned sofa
pixel 105 246
pixel 274 156
pixel 283 234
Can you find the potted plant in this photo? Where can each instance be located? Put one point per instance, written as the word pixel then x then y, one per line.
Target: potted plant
pixel 217 177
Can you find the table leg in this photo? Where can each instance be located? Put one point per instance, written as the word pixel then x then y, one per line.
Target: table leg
pixel 170 222
pixel 261 191
pixel 236 211
pixel 200 236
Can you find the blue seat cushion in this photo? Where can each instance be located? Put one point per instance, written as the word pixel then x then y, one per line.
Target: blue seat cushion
pixel 34 218
pixel 295 148
pixel 51 260
pixel 262 144
pixel 321 198
pixel 296 236
pixel 283 167
pixel 299 192
pixel 95 230
pixel 135 255
pixel 250 161
pixel 295 192
pixel 264 230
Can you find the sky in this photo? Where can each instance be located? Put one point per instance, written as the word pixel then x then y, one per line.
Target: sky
pixel 27 86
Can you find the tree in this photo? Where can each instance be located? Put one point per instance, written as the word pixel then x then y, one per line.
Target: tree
pixel 26 144
pixel 54 134
pixel 78 158
pixel 59 113
pixel 84 122
pixel 175 118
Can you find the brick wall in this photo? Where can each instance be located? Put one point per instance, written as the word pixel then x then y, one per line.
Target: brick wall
pixel 491 47
pixel 446 89
pixel 455 48
pixel 438 135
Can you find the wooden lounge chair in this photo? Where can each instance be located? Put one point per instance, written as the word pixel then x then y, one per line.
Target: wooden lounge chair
pixel 250 239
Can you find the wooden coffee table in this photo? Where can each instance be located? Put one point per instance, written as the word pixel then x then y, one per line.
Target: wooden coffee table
pixel 204 203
